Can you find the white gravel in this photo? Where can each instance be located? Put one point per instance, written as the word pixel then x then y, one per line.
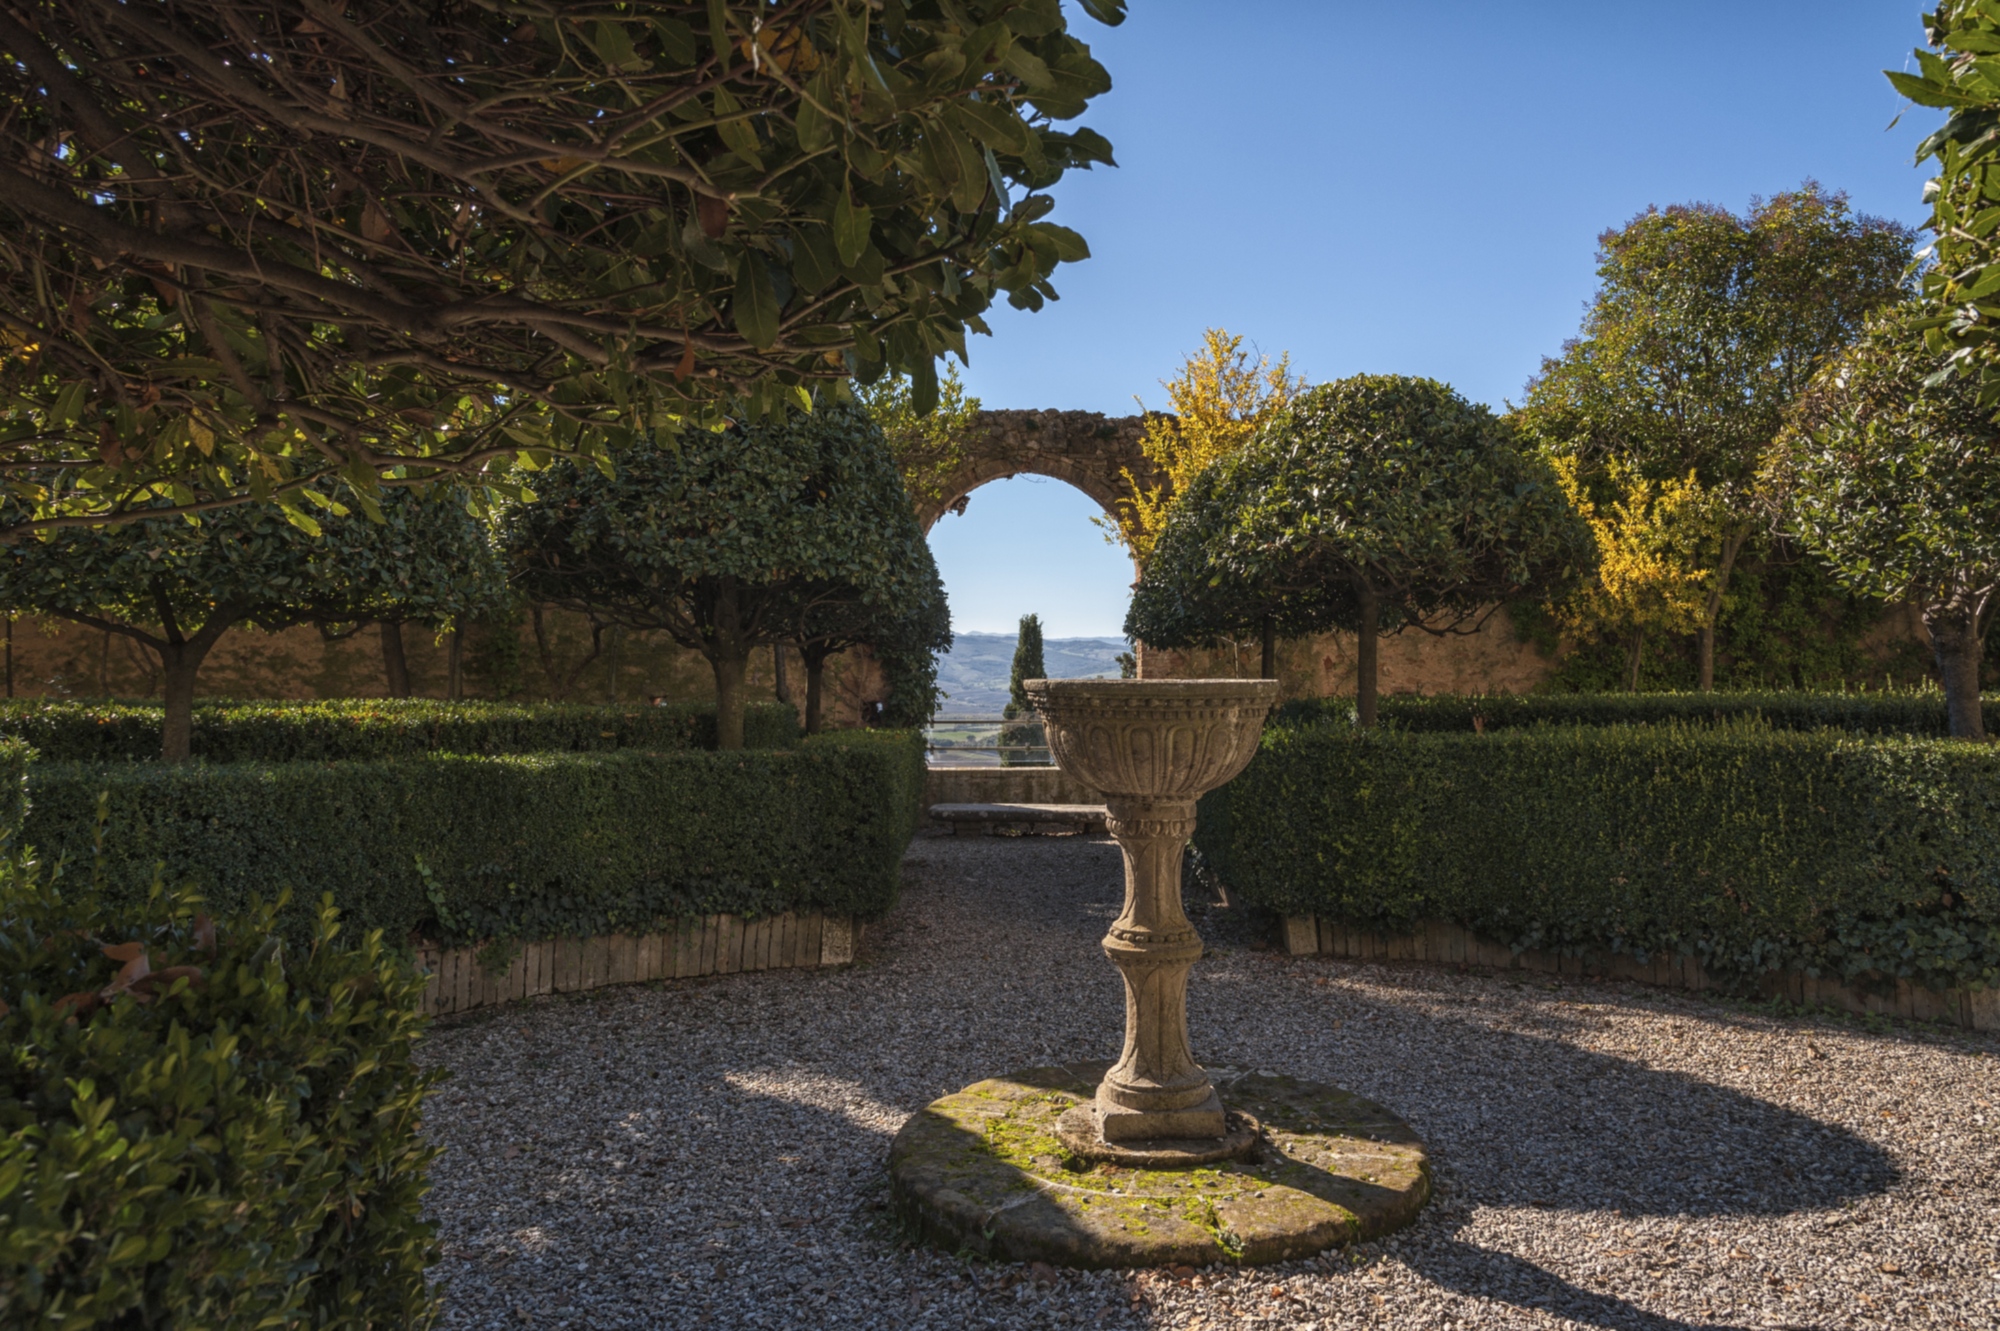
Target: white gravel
pixel 710 1153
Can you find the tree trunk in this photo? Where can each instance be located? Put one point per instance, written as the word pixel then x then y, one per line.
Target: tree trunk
pixel 1958 640
pixel 1712 611
pixel 180 665
pixel 729 671
pixel 781 684
pixel 395 665
pixel 815 691
pixel 1366 656
pixel 729 658
pixel 1270 665
pixel 454 664
pixel 1633 657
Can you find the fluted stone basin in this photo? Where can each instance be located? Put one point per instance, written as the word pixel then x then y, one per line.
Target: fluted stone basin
pixel 1153 739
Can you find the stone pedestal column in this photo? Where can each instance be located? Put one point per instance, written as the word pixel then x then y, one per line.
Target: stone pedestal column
pixel 1155 1089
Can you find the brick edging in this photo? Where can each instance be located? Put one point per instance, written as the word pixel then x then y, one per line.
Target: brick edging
pixel 701 945
pixel 1448 944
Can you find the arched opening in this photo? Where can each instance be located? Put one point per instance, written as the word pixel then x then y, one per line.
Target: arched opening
pixel 1022 543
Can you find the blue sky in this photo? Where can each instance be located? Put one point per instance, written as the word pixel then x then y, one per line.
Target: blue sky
pixel 1396 188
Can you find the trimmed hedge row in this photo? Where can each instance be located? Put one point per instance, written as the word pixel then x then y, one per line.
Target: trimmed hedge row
pixel 1750 848
pixel 361 728
pixel 1865 713
pixel 461 849
pixel 201 1127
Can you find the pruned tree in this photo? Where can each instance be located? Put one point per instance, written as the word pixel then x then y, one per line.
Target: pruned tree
pixel 725 540
pixel 251 246
pixel 1184 599
pixel 1705 328
pixel 1891 474
pixel 1373 504
pixel 175 587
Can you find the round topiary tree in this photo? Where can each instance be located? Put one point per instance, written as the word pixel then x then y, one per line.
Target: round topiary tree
pixel 719 537
pixel 1894 480
pixel 1373 504
pixel 176 587
pixel 1183 600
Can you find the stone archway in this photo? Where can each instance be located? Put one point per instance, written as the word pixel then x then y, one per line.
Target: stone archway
pixel 1090 451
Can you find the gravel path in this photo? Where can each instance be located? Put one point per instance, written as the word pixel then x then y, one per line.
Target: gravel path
pixel 710 1153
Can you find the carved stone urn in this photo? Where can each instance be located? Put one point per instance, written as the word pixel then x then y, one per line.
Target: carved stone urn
pixel 1153 747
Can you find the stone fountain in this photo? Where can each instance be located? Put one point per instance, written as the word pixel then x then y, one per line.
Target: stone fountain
pixel 1153 748
pixel 1140 1162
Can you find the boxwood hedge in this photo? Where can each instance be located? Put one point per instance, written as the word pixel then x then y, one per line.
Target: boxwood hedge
pixel 201 1126
pixel 461 848
pixel 355 728
pixel 1752 848
pixel 1905 713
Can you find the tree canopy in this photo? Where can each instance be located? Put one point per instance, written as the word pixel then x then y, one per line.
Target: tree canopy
pixel 248 247
pixel 1705 329
pixel 727 539
pixel 1958 75
pixel 1184 598
pixel 176 587
pixel 1892 476
pixel 1372 504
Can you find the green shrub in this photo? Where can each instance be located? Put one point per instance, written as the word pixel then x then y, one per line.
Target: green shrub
pixel 234 1148
pixel 548 845
pixel 358 728
pixel 1900 713
pixel 1750 848
pixel 14 757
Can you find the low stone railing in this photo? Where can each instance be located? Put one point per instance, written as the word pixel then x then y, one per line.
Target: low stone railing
pixel 1448 944
pixel 463 978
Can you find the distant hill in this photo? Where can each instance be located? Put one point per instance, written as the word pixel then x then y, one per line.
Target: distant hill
pixel 974 673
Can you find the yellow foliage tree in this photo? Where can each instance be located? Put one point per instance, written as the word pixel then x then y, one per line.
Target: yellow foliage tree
pixel 1649 535
pixel 1219 399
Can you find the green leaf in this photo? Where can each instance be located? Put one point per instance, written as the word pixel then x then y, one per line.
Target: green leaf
pixel 814 131
pixel 615 49
pixel 851 223
pixel 677 41
pixel 718 29
pixel 1111 13
pixel 1026 66
pixel 1069 246
pixel 754 308
pixel 69 403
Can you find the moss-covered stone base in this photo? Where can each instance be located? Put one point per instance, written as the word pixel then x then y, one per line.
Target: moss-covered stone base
pixel 984 1171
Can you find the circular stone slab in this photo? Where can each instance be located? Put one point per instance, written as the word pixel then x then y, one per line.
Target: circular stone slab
pixel 985 1171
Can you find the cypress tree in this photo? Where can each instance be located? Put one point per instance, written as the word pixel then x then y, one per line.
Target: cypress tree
pixel 1027 664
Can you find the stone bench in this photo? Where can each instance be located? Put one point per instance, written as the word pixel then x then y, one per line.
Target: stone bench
pixel 984 819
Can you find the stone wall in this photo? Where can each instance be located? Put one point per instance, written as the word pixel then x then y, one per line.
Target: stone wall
pixel 54 658
pixel 1098 454
pixel 1493 660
